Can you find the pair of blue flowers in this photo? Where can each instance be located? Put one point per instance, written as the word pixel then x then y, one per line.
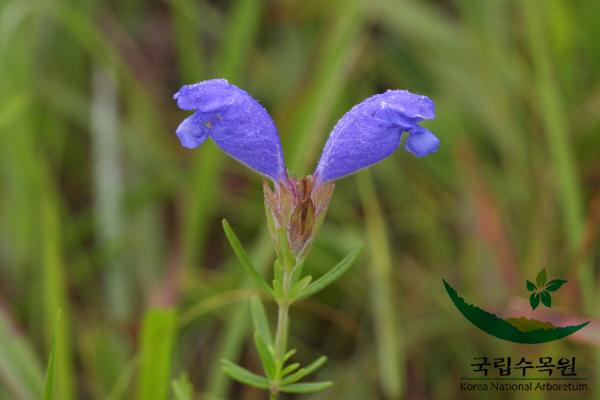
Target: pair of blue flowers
pixel 365 135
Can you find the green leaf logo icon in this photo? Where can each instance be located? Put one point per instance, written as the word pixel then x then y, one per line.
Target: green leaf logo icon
pixel 530 286
pixel 534 300
pixel 541 291
pixel 541 278
pixel 546 298
pixel 554 285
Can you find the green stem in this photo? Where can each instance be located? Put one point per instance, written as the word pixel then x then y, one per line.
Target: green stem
pixel 282 331
pixel 281 334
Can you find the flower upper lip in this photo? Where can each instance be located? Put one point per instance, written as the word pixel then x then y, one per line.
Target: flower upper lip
pixel 365 135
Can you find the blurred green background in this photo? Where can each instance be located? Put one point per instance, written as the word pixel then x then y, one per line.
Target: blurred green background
pixel 104 217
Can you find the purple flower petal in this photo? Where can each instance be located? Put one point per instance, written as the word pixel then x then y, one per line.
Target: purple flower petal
pixel 207 96
pixel 421 142
pixel 371 131
pixel 236 122
pixel 190 132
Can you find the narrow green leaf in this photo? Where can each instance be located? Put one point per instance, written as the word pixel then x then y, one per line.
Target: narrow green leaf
pixel 259 320
pixel 157 337
pixel 555 284
pixel 244 259
pixel 305 387
pixel 332 275
pixel 49 384
pixel 530 286
pixel 546 298
pixel 243 375
pixel 312 367
pixel 541 278
pixel 297 272
pixel 289 354
pixel 289 369
pixel 305 371
pixel 300 286
pixel 265 355
pixel 534 300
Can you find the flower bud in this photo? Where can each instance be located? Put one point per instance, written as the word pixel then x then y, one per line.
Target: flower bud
pixel 296 208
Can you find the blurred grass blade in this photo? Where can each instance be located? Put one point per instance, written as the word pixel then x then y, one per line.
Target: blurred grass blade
pixel 108 193
pixel 548 99
pixel 20 370
pixel 12 108
pixel 157 339
pixel 50 369
pixel 122 385
pixel 260 321
pixel 49 382
pixel 182 388
pixel 185 15
pixel 244 259
pixel 388 352
pixel 239 37
pixel 305 387
pixel 331 275
pixel 55 286
pixel 104 351
pixel 243 375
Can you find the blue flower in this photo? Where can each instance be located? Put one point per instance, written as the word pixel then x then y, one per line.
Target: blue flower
pixel 236 123
pixel 372 130
pixel 241 127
